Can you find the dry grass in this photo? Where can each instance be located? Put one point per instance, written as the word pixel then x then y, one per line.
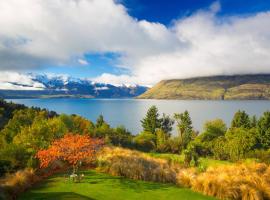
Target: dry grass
pixel 238 181
pixel 13 184
pixel 136 165
pixel 246 181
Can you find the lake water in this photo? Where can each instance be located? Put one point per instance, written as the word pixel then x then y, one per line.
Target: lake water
pixel 129 112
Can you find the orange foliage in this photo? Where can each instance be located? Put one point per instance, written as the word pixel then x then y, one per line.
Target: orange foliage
pixel 70 148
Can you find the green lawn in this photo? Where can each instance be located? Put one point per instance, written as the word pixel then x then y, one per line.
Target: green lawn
pixel 205 162
pixel 102 186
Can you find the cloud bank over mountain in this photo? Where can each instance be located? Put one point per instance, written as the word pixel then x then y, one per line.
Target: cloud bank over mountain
pixel 38 33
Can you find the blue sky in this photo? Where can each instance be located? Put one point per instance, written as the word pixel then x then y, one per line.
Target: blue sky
pixel 95 65
pixel 166 11
pixel 135 41
pixel 160 11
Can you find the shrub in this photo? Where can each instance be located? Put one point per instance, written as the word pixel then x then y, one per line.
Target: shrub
pixel 238 181
pixel 5 166
pixel 161 141
pixel 263 130
pixel 174 145
pixel 145 141
pixel 18 182
pixel 213 129
pixel 17 155
pixel 239 142
pixel 186 176
pixel 120 136
pixel 136 165
pixel 261 155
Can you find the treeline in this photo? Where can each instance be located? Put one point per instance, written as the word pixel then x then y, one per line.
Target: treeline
pixel 30 129
pixel 247 137
pixel 6 111
pixel 24 131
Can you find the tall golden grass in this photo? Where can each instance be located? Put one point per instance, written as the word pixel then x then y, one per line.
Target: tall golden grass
pixel 246 181
pixel 135 165
pixel 237 181
pixel 14 184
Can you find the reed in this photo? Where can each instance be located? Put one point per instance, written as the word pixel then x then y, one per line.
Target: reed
pixel 14 184
pixel 237 181
pixel 136 165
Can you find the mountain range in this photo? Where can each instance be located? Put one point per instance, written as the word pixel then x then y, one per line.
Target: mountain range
pixel 57 86
pixel 236 87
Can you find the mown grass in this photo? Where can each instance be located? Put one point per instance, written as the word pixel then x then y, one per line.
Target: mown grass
pixel 102 186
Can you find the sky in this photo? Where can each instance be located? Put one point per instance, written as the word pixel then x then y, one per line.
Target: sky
pixel 133 41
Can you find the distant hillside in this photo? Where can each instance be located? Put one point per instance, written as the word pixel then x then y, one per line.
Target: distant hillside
pixel 215 87
pixel 63 86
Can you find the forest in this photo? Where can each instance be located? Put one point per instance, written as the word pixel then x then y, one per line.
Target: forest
pixel 35 139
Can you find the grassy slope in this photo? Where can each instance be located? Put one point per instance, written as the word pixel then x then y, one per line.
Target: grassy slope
pixel 102 186
pixel 206 162
pixel 216 87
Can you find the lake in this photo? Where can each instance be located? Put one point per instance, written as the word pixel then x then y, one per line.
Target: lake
pixel 129 112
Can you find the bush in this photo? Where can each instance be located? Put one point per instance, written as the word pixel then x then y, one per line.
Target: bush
pixel 261 155
pixel 5 166
pixel 120 136
pixel 18 182
pixel 213 129
pixel 174 145
pixel 191 156
pixel 17 155
pixel 239 142
pixel 161 141
pixel 136 165
pixel 238 181
pixel 145 141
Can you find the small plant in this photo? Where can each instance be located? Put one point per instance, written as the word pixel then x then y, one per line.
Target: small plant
pixel 201 168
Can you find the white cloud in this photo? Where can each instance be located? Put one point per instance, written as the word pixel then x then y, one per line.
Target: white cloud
pixel 18 81
pixel 34 32
pixel 38 32
pixel 214 46
pixel 116 80
pixel 83 62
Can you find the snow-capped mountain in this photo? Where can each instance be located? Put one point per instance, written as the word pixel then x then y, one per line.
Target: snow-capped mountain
pixel 37 85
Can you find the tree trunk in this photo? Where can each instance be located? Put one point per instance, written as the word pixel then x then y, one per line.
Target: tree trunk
pixel 74 169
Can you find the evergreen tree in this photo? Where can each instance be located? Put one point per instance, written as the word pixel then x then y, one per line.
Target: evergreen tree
pixel 151 122
pixel 253 121
pixel 213 129
pixel 240 120
pixel 100 121
pixel 166 124
pixel 184 126
pixel 263 130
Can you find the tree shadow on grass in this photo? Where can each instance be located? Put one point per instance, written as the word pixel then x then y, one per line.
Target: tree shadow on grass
pixel 56 196
pixel 142 186
pixel 93 177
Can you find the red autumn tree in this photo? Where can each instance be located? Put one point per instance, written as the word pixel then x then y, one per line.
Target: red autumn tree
pixel 71 148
